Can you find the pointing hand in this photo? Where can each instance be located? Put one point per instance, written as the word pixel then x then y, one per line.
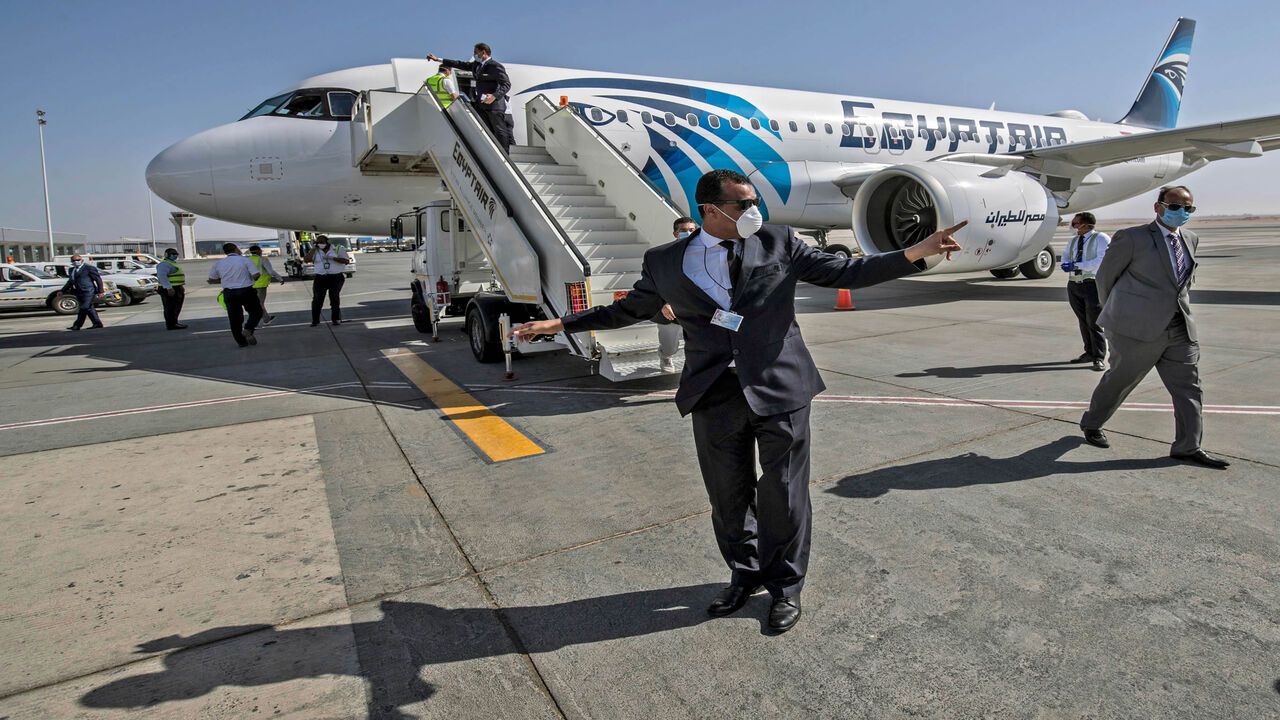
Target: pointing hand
pixel 936 244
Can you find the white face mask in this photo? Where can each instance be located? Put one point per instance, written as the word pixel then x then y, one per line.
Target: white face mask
pixel 748 223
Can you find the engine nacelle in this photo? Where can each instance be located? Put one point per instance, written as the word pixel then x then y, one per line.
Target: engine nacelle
pixel 1011 216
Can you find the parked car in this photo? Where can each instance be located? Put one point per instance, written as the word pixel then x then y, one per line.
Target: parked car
pixel 135 285
pixel 28 286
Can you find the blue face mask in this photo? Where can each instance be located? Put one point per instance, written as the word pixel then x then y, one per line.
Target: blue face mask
pixel 1175 218
pixel 684 234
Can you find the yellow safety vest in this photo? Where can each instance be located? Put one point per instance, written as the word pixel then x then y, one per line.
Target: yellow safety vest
pixel 263 278
pixel 436 85
pixel 1090 242
pixel 176 278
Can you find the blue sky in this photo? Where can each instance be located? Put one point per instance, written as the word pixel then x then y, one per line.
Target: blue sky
pixel 123 80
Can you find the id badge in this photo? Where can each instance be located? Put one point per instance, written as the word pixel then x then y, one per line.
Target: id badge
pixel 727 320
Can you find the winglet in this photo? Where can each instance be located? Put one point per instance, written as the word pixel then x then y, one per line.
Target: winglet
pixel 1157 105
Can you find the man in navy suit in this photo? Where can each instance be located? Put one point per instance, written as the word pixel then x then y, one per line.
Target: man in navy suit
pixel 86 282
pixel 748 378
pixel 489 78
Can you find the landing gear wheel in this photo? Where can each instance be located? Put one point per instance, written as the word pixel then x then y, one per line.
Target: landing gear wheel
pixel 484 346
pixel 1040 266
pixel 839 251
pixel 1005 273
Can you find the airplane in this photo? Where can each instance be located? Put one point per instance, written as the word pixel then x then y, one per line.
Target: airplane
pixel 891 171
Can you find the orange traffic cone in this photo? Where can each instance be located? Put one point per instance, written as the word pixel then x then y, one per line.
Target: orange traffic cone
pixel 844 301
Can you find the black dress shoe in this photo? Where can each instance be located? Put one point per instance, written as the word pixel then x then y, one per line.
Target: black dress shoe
pixel 1099 366
pixel 249 338
pixel 73 327
pixel 1083 358
pixel 180 326
pixel 315 324
pixel 1096 438
pixel 1201 457
pixel 730 600
pixel 784 613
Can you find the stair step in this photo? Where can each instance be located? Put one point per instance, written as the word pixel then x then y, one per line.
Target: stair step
pixel 609 282
pixel 532 169
pixel 574 200
pixel 598 213
pixel 560 181
pixel 603 237
pixel 606 264
pixel 612 250
pixel 591 224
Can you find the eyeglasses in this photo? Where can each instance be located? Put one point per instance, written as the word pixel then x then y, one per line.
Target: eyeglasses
pixel 742 204
pixel 1176 206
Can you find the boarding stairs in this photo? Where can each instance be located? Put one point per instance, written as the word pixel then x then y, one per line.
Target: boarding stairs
pixel 564 220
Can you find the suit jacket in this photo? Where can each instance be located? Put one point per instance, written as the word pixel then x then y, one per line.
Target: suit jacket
pixel 490 79
pixel 1137 287
pixel 774 367
pixel 84 280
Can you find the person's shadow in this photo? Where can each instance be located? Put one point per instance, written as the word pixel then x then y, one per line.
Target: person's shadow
pixel 391 651
pixel 974 469
pixel 978 371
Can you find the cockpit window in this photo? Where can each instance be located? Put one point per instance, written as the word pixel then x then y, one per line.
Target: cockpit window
pixel 312 103
pixel 340 103
pixel 268 106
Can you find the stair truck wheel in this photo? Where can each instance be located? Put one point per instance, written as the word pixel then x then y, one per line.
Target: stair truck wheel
pixel 482 335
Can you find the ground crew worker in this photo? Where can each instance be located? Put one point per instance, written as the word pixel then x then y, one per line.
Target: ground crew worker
pixel 441 85
pixel 266 274
pixel 237 275
pixel 173 290
pixel 1080 261
pixel 329 262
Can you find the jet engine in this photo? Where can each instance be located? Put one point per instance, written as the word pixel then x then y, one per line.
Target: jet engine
pixel 1011 216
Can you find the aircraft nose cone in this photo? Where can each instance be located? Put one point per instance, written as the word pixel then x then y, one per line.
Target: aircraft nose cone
pixel 182 175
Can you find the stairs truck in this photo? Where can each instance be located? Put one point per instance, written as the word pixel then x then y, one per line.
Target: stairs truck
pixel 559 225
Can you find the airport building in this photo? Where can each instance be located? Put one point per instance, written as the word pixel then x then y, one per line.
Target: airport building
pixel 18 245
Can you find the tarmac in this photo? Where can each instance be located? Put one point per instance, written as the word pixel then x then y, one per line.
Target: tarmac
pixel 317 526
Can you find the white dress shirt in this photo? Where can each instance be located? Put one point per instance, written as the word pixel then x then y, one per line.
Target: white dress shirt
pixel 323 260
pixel 234 271
pixel 1100 244
pixel 706 263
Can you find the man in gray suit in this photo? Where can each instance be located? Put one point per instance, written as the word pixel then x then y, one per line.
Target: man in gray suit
pixel 1143 285
pixel 748 378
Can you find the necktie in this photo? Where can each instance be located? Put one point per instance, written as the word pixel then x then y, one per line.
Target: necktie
pixel 1079 248
pixel 735 265
pixel 1179 259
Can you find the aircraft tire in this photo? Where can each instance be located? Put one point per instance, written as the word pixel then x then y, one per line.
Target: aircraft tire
pixel 1005 273
pixel 1040 266
pixel 839 251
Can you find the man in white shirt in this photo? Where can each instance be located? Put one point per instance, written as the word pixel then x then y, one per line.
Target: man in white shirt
pixel 237 275
pixel 330 262
pixel 1080 261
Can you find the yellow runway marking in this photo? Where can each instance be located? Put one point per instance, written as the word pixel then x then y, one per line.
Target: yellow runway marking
pixel 490 433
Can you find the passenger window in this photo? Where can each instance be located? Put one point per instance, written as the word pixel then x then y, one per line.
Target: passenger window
pixel 735 124
pixel 810 127
pixel 341 103
pixel 622 116
pixel 645 117
pixel 828 128
pixel 844 129
pixel 793 127
pixel 670 119
pixel 596 114
pixel 691 119
pixel 713 122
pixel 773 125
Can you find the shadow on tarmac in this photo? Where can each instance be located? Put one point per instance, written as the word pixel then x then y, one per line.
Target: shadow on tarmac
pixel 393 650
pixel 973 469
pixel 978 371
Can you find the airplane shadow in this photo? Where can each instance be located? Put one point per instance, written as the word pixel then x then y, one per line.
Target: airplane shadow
pixel 392 651
pixel 973 469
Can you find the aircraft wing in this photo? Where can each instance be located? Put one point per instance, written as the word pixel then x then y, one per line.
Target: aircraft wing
pixel 1238 138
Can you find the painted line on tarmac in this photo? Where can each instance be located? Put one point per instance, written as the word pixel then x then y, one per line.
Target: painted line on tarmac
pixel 490 434
pixel 191 404
pixel 298 324
pixel 889 400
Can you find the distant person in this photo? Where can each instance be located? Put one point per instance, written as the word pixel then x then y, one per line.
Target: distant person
pixel 441 85
pixel 748 378
pixel 86 282
pixel 266 274
pixel 173 291
pixel 669 333
pixel 237 275
pixel 1144 284
pixel 489 78
pixel 1080 261
pixel 329 262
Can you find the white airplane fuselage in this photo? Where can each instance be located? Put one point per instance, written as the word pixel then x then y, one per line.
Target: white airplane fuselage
pixel 315 185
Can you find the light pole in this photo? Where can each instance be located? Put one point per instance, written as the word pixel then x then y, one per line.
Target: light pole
pixel 151 215
pixel 44 174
